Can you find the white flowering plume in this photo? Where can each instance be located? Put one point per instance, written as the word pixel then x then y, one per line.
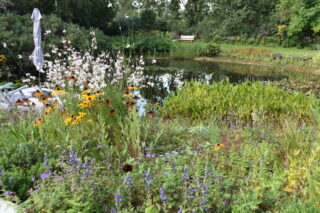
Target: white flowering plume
pixel 75 69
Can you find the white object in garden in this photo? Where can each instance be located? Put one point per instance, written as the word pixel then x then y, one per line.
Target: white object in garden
pixel 7 207
pixel 37 55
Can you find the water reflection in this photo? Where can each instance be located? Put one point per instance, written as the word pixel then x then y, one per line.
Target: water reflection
pixel 168 75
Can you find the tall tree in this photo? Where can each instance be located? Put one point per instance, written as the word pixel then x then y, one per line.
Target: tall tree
pixel 301 16
pixel 174 8
pixel 196 11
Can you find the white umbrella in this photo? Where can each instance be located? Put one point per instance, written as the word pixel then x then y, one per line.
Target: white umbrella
pixel 37 55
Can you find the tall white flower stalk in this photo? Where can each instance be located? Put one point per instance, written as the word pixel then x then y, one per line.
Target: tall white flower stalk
pixel 77 70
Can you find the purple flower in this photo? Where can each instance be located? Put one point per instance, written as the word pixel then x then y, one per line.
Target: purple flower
pixel 44 176
pixel 148 155
pixel 163 197
pixel 60 178
pixel 117 197
pixel 113 210
pixel 185 176
pixel 63 151
pixel 224 202
pixel 180 210
pixel 148 178
pixel 8 193
pixel 129 181
pixel 0 172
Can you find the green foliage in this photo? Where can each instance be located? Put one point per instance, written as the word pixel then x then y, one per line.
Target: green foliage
pixel 17 34
pixel 148 20
pixel 247 102
pixel 211 50
pixel 187 50
pixel 142 43
pixel 94 13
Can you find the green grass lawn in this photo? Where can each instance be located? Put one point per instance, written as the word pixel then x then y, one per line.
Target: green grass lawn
pixel 282 50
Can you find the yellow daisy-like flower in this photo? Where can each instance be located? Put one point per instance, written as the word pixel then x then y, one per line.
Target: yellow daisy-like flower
pixel 38 122
pixel 218 147
pixel 50 108
pixel 68 120
pixel 132 88
pixel 90 97
pixel 86 104
pixel 58 92
pixel 84 92
pixel 127 95
pixel 37 94
pixel 78 118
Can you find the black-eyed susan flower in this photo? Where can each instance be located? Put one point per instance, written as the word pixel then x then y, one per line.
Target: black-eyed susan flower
pixel 113 111
pixel 218 147
pixel 68 120
pixel 136 98
pixel 85 91
pixel 18 102
pixel 55 102
pixel 132 88
pixel 38 122
pixel 89 96
pixel 78 118
pixel 127 95
pixel 151 113
pixel 44 99
pixel 37 94
pixel 130 104
pixel 26 101
pixel 108 102
pixel 86 104
pixel 63 112
pixel 58 91
pixel 50 108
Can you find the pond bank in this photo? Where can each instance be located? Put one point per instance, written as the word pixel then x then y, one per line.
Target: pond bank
pixel 230 60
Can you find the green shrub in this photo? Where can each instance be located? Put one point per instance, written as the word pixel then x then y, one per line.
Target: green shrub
pixel 142 43
pixel 17 34
pixel 211 50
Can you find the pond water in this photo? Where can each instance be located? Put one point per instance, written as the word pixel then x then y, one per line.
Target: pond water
pixel 167 75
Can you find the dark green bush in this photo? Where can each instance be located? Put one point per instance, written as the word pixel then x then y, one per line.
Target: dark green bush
pixel 211 50
pixel 142 43
pixel 16 32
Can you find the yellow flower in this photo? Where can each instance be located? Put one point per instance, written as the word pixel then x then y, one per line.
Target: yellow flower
pixel 127 95
pixel 281 29
pixel 50 108
pixel 86 104
pixel 3 58
pixel 58 91
pixel 82 114
pixel 38 122
pixel 37 94
pixel 218 147
pixel 238 38
pixel 132 88
pixel 85 91
pixel 68 120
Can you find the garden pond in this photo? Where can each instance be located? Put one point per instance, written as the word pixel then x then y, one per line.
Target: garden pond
pixel 165 76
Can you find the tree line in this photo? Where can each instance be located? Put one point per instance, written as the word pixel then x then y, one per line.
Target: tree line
pixel 298 18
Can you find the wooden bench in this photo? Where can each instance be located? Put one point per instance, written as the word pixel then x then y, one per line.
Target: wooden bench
pixel 186 38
